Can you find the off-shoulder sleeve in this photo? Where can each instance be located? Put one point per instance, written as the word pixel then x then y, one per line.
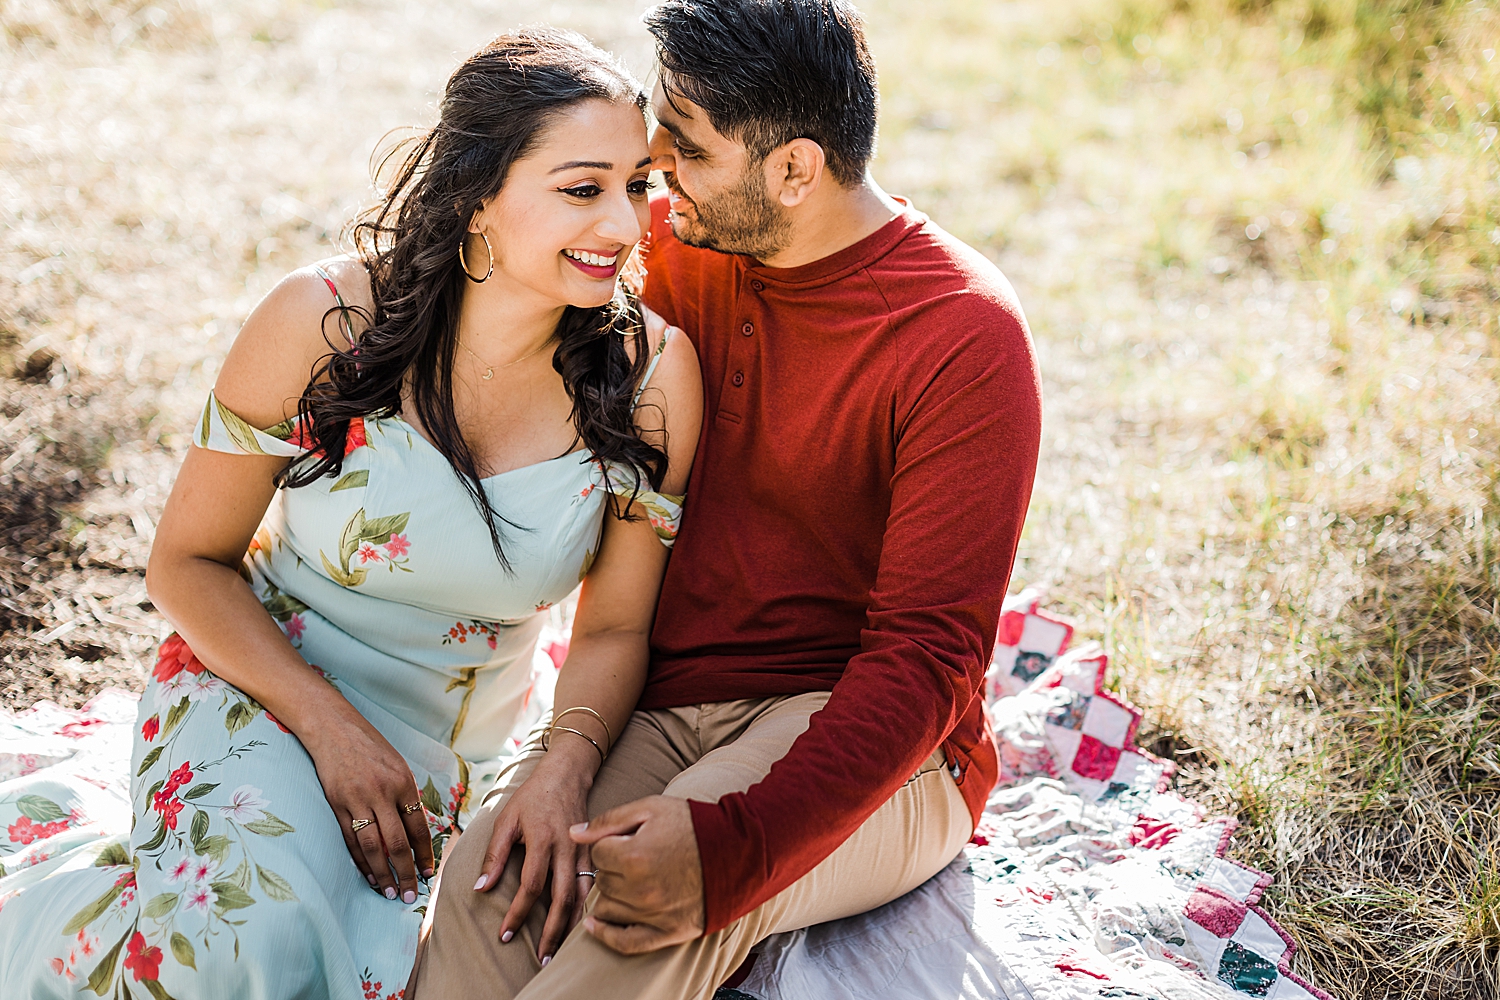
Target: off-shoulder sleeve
pixel 221 429
pixel 665 513
pixel 663 510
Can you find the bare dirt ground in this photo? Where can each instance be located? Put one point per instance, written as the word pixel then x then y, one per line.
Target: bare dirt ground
pixel 1268 492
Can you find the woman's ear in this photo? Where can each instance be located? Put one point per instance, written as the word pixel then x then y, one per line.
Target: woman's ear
pixel 478 213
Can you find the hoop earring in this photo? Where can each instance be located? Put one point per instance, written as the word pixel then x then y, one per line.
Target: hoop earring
pixel 464 264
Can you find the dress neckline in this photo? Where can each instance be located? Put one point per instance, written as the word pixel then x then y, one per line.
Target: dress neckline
pixel 485 479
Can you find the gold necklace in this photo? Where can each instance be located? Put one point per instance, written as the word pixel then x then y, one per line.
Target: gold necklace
pixel 489 369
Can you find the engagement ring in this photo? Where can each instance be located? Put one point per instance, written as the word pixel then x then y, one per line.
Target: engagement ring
pixel 359 824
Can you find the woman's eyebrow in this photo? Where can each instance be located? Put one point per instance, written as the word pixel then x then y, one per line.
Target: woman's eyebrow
pixel 593 164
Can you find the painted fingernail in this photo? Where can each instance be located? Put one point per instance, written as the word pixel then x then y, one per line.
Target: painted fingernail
pixel 390 893
pixel 370 879
pixel 480 884
pixel 427 872
pixel 546 960
pixel 408 897
pixel 578 827
pixel 505 938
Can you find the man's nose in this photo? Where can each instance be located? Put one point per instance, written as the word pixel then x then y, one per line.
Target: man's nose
pixel 662 157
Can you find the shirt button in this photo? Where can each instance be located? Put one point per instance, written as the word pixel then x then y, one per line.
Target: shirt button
pixel 739 378
pixel 747 329
pixel 759 286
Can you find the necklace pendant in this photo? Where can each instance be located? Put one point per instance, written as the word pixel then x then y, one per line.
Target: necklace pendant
pixel 489 373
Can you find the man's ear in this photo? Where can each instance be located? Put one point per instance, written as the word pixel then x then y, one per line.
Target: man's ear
pixel 794 171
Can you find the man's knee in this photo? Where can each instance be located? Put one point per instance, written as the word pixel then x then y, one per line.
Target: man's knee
pixel 461 944
pixel 462 864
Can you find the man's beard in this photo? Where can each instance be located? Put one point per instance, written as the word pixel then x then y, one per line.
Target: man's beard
pixel 742 220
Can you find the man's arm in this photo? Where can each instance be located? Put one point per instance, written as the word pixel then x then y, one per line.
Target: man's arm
pixel 966 457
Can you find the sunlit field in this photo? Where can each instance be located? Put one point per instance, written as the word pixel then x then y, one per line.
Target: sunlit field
pixel 1259 247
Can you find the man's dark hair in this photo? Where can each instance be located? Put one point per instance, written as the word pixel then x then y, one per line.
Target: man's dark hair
pixel 770 71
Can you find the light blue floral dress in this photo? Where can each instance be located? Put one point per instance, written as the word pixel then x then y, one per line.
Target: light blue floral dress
pixel 233 881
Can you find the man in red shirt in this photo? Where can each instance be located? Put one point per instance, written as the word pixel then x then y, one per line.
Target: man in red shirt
pixel 815 741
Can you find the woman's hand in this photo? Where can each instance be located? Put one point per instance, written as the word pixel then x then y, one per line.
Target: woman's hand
pixel 538 815
pixel 364 777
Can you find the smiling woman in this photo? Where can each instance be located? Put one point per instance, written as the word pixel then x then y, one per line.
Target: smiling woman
pixel 527 206
pixel 354 645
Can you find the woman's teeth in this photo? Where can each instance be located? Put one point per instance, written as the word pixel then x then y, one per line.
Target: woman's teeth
pixel 597 260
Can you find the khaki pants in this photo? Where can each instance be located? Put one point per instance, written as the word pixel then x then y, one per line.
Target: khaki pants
pixel 701 753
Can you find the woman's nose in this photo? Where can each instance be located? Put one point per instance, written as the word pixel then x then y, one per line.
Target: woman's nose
pixel 621 222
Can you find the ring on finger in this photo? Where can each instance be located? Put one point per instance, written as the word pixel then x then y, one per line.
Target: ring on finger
pixel 359 824
pixel 593 874
pixel 410 808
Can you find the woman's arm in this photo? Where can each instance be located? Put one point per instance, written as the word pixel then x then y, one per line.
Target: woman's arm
pixel 606 666
pixel 214 510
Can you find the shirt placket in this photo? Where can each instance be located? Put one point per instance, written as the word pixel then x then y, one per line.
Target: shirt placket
pixel 748 327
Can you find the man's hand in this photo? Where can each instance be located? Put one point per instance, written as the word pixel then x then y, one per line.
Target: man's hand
pixel 650 879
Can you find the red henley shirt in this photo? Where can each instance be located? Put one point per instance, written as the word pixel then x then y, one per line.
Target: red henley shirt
pixel 870 437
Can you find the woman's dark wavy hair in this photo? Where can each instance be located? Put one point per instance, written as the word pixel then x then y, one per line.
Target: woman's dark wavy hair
pixel 496 108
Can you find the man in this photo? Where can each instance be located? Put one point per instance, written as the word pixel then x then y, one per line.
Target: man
pixel 816 738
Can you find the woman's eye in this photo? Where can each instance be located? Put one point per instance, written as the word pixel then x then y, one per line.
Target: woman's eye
pixel 638 188
pixel 584 191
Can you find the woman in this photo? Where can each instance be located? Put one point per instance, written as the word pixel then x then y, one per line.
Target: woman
pixel 358 566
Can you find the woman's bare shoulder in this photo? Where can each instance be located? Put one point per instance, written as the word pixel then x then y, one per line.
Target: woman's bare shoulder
pixel 672 400
pixel 287 334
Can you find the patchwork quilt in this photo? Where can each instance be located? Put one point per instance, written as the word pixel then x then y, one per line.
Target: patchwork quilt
pixel 1086 878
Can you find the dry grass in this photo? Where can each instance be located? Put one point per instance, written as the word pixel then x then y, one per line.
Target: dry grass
pixel 1265 303
pixel 1257 243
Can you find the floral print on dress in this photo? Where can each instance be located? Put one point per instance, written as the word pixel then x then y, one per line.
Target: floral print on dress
pixel 204 840
pixel 373 988
pixel 487 632
pixel 286 611
pixel 468 677
pixel 369 543
pixel 40 818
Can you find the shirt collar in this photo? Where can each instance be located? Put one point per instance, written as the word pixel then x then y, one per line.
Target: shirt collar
pixel 852 258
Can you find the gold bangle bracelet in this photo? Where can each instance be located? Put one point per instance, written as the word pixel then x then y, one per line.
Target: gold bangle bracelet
pixel 586 736
pixel 609 737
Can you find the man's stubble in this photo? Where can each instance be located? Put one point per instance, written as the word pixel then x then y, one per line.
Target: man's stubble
pixel 742 220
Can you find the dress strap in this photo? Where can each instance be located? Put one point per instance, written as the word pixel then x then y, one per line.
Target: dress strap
pixel 651 368
pixel 342 305
pixel 221 429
